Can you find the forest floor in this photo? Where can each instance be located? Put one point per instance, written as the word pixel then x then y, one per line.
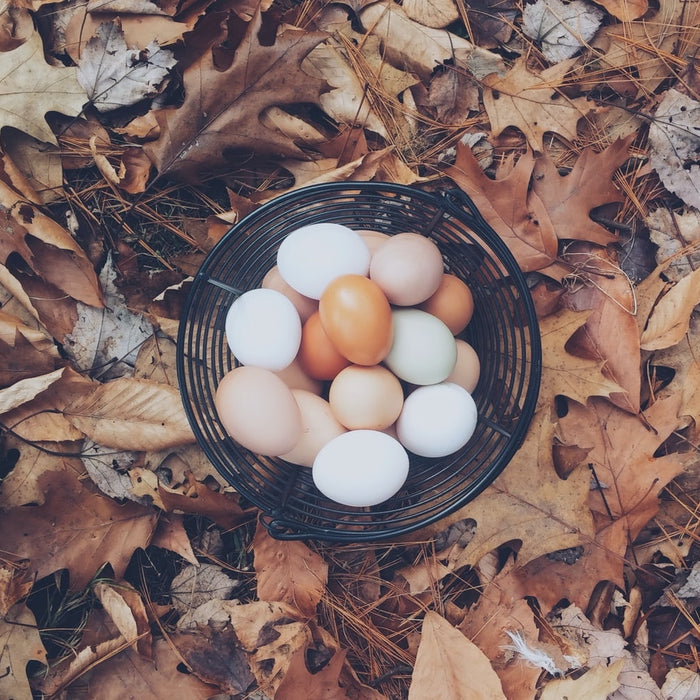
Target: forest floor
pixel 134 134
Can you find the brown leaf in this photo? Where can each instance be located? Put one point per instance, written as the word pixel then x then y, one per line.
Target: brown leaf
pixel 564 373
pixel 448 665
pixel 15 583
pixel 20 643
pixel 21 360
pixel 432 13
pixel 491 21
pixel 170 534
pixel 300 684
pixel 533 103
pixel 227 669
pixel 569 199
pixel 222 108
pixel 622 448
pixel 599 682
pixel 516 213
pixel 131 414
pixel 75 529
pixel 289 572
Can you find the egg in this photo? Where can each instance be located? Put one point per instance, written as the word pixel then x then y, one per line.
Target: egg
pixel 437 420
pixel 263 329
pixel 357 318
pixel 295 378
pixel 424 350
pixel 258 410
pixel 361 468
pixel 366 397
pixel 408 268
pixel 373 239
pixel 317 355
pixel 318 427
pixel 310 257
pixel 467 368
pixel 452 303
pixel 305 306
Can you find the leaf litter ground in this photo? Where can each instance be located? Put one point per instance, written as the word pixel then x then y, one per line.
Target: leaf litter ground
pixel 132 140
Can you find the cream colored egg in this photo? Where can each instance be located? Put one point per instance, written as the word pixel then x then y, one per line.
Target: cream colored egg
pixel 295 378
pixel 467 368
pixel 304 305
pixel 373 239
pixel 368 398
pixel 318 427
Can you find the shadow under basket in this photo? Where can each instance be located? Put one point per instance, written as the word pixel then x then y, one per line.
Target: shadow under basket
pixel 503 331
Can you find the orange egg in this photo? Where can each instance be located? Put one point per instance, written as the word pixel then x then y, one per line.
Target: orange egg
pixel 317 356
pixel 452 303
pixel 357 318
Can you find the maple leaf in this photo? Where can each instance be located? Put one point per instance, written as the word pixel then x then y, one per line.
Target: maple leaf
pixel 30 87
pixel 515 212
pixel 222 108
pixel 76 529
pixel 533 103
pixel 564 373
pixel 448 665
pixel 528 503
pixel 569 199
pixel 289 572
pixel 621 448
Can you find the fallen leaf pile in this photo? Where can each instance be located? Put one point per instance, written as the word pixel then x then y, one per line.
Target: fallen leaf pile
pixel 133 135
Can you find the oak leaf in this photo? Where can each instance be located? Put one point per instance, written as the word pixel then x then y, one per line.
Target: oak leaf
pixel 20 643
pixel 289 572
pixel 515 212
pixel 448 665
pixel 569 199
pixel 431 13
pixel 677 235
pixel 621 449
pixel 76 529
pixel 30 87
pixel 598 682
pixel 222 108
pixel 534 103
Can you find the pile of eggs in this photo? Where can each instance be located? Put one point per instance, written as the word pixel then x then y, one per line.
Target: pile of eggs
pixel 348 360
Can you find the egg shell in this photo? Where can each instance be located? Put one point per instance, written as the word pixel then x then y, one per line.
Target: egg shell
pixel 467 368
pixel 305 306
pixel 424 350
pixel 263 329
pixel 366 397
pixel 295 378
pixel 361 468
pixel 437 420
pixel 357 318
pixel 310 257
pixel 257 409
pixel 318 427
pixel 408 268
pixel 373 239
pixel 452 303
pixel 317 355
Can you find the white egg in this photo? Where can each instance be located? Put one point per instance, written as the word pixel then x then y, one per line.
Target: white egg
pixel 423 350
pixel 360 468
pixel 311 257
pixel 263 329
pixel 437 420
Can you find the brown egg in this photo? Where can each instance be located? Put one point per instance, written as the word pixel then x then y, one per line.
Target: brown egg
pixel 467 368
pixel 317 355
pixel 257 409
pixel 373 239
pixel 295 378
pixel 304 305
pixel 452 303
pixel 318 427
pixel 366 397
pixel 408 268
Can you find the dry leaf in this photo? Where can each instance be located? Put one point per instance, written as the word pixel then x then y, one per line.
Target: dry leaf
pixel 569 199
pixel 131 414
pixel 171 534
pixel 126 609
pixel 670 318
pixel 677 236
pixel 197 584
pixel 289 572
pixel 681 684
pixel 75 529
pixel 30 88
pixel 599 682
pixel 492 21
pixel 20 643
pixel 16 582
pixel 674 143
pixel 222 108
pixel 514 211
pixel 115 75
pixel 448 665
pixel 534 103
pixel 561 28
pixel 431 13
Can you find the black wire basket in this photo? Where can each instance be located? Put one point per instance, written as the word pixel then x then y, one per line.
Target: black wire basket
pixel 503 331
